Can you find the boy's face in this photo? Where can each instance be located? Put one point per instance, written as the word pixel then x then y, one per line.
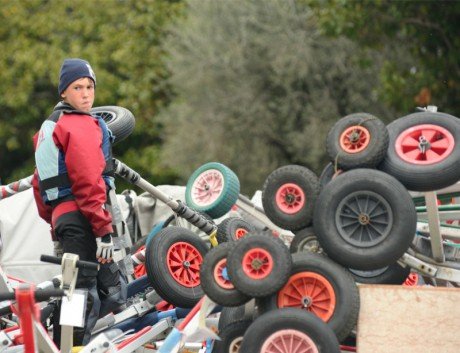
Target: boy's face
pixel 80 94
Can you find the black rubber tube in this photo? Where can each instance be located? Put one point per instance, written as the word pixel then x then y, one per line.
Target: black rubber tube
pixel 80 264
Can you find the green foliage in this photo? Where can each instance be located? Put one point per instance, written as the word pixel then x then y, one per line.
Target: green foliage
pixel 121 41
pixel 258 87
pixel 426 31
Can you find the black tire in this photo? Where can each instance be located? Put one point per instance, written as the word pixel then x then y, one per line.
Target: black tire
pixel 119 120
pixel 418 175
pixel 231 337
pixel 357 141
pixel 269 267
pixel 159 255
pixel 232 229
pixel 317 281
pixel 328 174
pixel 304 324
pixel 214 278
pixel 305 240
pixel 289 195
pixel 365 219
pixel 393 274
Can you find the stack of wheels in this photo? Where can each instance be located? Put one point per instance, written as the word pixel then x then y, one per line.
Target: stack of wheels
pixel 289 331
pixel 213 189
pixel 173 259
pixel 424 151
pixel 321 287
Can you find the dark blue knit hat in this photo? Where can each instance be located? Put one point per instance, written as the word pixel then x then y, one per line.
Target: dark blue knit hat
pixel 72 70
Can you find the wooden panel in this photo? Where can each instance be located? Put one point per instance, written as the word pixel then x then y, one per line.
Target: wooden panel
pixel 398 319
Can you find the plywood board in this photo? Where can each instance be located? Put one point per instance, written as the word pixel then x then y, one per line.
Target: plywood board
pixel 401 319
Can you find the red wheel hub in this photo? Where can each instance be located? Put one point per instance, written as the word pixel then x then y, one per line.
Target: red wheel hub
pixel 207 188
pixel 290 198
pixel 183 261
pixel 309 291
pixel 424 144
pixel 355 139
pixel 289 341
pixel 257 263
pixel 220 275
pixel 240 233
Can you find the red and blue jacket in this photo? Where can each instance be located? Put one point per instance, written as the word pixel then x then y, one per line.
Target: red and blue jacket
pixel 73 167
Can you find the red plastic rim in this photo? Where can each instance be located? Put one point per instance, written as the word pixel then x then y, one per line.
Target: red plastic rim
pixel 355 139
pixel 257 263
pixel 222 280
pixel 207 187
pixel 183 261
pixel 290 198
pixel 439 144
pixel 240 233
pixel 289 341
pixel 309 291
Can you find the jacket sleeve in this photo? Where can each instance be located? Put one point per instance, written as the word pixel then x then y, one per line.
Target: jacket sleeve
pixel 80 138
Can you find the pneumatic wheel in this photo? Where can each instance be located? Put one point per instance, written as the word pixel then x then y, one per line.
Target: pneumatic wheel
pixel 259 264
pixel 320 286
pixel 232 229
pixel 215 281
pixel 424 151
pixel 173 259
pixel 289 331
pixel 305 240
pixel 357 141
pixel 365 221
pixel 289 195
pixel 119 120
pixel 213 188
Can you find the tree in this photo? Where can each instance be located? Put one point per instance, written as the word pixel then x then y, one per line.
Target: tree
pixel 121 39
pixel 257 86
pixel 426 32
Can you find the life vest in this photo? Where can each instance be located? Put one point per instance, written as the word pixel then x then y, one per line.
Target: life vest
pixel 53 178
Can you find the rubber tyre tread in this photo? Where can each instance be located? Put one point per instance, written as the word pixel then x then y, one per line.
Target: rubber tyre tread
pixel 267 324
pixel 345 315
pixel 229 315
pixel 229 194
pixel 227 228
pixel 423 177
pixel 273 281
pixel 121 123
pixel 230 332
pixel 300 176
pixel 157 269
pixel 374 152
pixel 394 274
pixel 225 297
pixel 402 230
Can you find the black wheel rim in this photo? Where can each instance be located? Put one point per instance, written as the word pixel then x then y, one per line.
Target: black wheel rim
pixel 310 244
pixel 364 219
pixel 106 116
